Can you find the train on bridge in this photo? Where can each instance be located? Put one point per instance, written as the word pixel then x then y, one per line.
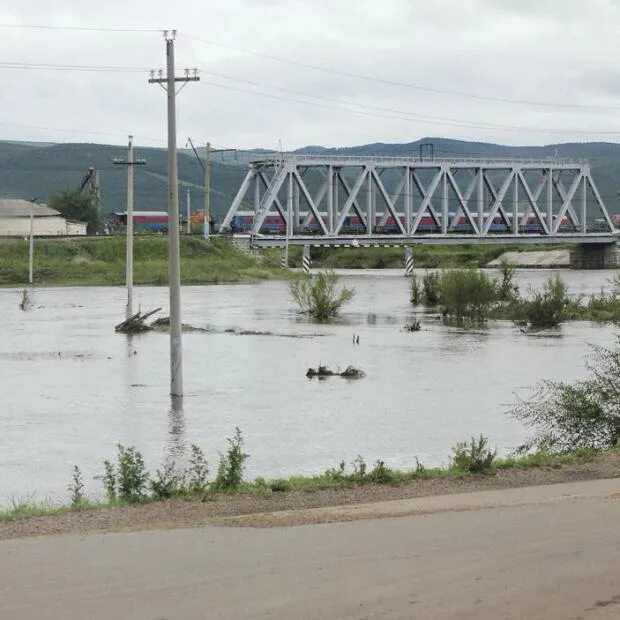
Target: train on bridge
pixel 274 224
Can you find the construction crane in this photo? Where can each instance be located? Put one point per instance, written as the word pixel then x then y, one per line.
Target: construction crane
pixel 90 180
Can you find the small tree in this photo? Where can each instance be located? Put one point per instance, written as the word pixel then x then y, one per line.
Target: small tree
pixel 73 206
pixel 319 295
pixel 584 414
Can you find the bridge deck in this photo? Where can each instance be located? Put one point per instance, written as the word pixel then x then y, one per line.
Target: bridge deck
pixel 436 239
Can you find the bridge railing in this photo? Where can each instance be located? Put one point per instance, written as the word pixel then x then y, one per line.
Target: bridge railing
pixel 353 160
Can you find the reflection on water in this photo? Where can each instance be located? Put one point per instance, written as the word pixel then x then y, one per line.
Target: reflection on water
pixel 72 388
pixel 176 449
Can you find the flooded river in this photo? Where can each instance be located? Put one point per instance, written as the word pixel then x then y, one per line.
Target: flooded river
pixel 72 388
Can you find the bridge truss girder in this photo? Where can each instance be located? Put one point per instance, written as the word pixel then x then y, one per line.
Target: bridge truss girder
pixel 304 189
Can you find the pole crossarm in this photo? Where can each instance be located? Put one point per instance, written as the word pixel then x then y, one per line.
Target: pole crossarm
pixel 346 197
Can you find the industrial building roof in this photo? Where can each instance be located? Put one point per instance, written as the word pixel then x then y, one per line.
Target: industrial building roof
pixel 18 207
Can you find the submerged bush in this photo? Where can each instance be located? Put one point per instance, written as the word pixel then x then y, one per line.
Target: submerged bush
pixel 467 293
pixel 415 290
pixel 546 308
pixel 431 293
pixel 507 290
pixel 473 457
pixel 319 295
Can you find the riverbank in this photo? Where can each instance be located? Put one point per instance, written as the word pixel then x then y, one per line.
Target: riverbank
pixel 424 256
pixel 101 261
pixel 262 503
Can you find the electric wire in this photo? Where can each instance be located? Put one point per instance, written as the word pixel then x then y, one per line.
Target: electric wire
pixel 380 80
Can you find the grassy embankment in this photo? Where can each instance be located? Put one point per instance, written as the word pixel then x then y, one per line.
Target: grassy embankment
pixel 425 256
pixel 335 479
pixel 101 261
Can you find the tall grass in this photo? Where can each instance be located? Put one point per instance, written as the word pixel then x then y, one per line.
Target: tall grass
pixel 101 261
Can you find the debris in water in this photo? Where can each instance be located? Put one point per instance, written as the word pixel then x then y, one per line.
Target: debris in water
pixel 350 372
pixel 136 324
pixel 414 326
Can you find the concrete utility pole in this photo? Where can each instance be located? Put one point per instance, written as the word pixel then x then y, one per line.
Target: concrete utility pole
pixel 130 162
pixel 174 267
pixel 31 248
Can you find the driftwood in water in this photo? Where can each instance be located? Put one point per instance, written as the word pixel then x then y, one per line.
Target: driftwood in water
pixel 350 372
pixel 414 326
pixel 136 324
pixel 163 325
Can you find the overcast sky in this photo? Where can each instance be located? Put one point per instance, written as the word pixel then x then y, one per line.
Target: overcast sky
pixel 553 51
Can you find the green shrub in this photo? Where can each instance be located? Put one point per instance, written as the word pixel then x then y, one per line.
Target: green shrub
pixel 415 290
pixel 128 481
pixel 583 415
pixel 546 308
pixel 197 471
pixel 336 474
pixel 380 473
pixel 359 469
pixel 76 488
pixel 319 296
pixel 280 486
pixel 230 470
pixel 431 294
pixel 167 482
pixel 473 457
pixel 467 293
pixel 507 290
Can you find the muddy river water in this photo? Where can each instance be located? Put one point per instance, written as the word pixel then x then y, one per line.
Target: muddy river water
pixel 72 388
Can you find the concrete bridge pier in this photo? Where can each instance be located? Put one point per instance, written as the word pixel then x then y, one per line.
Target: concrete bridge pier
pixel 408 260
pixel 596 256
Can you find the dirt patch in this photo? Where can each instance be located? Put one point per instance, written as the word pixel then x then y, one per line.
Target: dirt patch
pixel 219 509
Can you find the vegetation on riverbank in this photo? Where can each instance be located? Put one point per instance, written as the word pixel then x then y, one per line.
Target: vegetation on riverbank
pixel 101 261
pixel 424 256
pixel 130 482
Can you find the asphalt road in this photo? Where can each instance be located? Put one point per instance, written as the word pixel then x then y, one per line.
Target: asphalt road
pixel 554 556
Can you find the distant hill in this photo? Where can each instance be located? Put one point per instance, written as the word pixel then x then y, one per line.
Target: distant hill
pixel 36 170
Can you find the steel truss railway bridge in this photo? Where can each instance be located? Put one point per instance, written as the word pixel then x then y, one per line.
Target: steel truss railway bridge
pixel 391 200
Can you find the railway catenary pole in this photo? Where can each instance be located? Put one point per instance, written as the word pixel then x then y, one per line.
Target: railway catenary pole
pixel 130 162
pixel 168 83
pixel 206 166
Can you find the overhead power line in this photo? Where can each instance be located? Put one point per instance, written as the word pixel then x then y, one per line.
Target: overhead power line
pixel 341 105
pixel 420 87
pixel 428 120
pixel 56 67
pixel 79 28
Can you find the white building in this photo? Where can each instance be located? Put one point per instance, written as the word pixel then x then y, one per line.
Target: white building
pixel 47 222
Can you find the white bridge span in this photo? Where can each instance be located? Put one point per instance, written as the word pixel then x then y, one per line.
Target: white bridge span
pixel 334 200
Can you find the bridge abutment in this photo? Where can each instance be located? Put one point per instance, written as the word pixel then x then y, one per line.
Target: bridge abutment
pixel 596 256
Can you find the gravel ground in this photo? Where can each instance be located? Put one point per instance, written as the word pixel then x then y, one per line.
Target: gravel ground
pixel 225 509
